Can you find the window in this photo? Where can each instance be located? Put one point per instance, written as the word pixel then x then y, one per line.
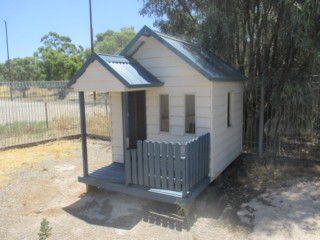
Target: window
pixel 190 120
pixel 229 110
pixel 164 113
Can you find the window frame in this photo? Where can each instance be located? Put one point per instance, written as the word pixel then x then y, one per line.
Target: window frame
pixel 160 113
pixel 229 109
pixel 185 114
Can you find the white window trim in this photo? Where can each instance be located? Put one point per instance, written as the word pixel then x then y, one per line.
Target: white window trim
pixel 195 115
pixel 229 119
pixel 159 99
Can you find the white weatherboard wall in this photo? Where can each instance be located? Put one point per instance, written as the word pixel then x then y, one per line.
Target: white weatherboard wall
pixel 116 127
pixel 211 104
pixel 179 79
pixel 226 141
pixel 97 77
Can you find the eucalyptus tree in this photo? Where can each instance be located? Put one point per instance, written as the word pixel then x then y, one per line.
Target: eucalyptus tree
pixel 260 37
pixel 59 57
pixel 274 42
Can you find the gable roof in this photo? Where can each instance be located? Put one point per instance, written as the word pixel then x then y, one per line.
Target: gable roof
pixel 129 72
pixel 207 63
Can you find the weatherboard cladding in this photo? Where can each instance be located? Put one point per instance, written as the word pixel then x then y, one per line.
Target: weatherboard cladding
pixel 207 63
pixel 131 74
pixel 127 71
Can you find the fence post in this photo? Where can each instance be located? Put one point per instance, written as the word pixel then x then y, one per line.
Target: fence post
pixel 46 112
pixel 261 117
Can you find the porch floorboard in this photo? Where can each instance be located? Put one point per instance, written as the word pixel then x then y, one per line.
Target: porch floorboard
pixel 112 177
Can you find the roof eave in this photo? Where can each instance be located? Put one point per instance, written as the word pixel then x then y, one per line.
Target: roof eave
pixel 147 31
pixel 145 85
pixel 83 68
pixel 142 32
pixel 230 79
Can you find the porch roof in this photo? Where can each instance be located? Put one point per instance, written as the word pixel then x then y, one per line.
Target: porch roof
pixel 129 72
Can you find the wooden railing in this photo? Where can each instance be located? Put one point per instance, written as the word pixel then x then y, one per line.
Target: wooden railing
pixel 168 166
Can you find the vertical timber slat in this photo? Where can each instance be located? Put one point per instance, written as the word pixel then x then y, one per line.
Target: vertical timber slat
pixel 157 164
pixel 145 163
pixel 177 167
pixel 170 166
pixel 164 170
pixel 185 172
pixel 151 163
pixel 140 163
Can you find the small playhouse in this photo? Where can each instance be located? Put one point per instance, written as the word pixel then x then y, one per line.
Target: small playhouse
pixel 176 117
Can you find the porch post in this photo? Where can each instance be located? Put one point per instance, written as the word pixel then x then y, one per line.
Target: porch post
pixel 125 126
pixel 83 134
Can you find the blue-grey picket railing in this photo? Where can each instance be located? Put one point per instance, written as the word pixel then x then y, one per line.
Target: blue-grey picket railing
pixel 168 166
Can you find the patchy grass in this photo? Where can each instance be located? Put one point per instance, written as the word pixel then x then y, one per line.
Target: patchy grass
pixel 64 123
pixel 246 179
pixel 99 123
pixel 22 132
pixel 23 127
pixel 13 159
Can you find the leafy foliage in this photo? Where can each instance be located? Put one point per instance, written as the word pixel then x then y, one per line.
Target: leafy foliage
pixel 59 57
pixel 112 42
pixel 260 37
pixel 22 69
pixel 270 41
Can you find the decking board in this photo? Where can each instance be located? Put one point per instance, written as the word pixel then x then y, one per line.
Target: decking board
pixel 112 177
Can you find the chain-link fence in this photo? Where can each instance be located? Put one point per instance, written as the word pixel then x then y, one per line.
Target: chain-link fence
pixel 291 117
pixel 38 111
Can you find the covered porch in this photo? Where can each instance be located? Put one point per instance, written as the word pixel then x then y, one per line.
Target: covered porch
pixel 168 172
pixel 163 171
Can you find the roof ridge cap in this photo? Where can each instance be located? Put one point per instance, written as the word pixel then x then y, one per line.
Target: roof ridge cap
pixel 176 39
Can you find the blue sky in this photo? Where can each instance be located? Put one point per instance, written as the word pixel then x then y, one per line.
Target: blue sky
pixel 29 20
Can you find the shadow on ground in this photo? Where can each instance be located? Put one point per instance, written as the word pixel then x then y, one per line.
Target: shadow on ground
pixel 117 210
pixel 220 202
pixel 112 209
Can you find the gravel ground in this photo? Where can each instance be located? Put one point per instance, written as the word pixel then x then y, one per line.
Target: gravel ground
pixel 248 201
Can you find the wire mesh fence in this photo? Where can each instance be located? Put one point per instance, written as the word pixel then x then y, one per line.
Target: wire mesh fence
pixel 38 111
pixel 291 118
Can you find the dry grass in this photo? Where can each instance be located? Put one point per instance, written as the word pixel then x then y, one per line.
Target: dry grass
pixel 247 178
pixel 13 159
pixel 64 122
pixel 39 92
pixel 99 123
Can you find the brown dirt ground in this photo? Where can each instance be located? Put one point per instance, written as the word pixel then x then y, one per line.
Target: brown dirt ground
pixel 41 182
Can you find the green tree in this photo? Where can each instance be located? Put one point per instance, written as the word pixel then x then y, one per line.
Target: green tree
pixel 3 73
pixel 59 57
pixel 260 37
pixel 26 69
pixel 22 69
pixel 113 42
pixel 271 41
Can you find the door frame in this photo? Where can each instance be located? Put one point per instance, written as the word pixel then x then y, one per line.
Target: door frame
pixel 131 101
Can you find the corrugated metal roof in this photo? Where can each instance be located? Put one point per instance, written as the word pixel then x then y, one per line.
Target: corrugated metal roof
pixel 129 72
pixel 207 63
